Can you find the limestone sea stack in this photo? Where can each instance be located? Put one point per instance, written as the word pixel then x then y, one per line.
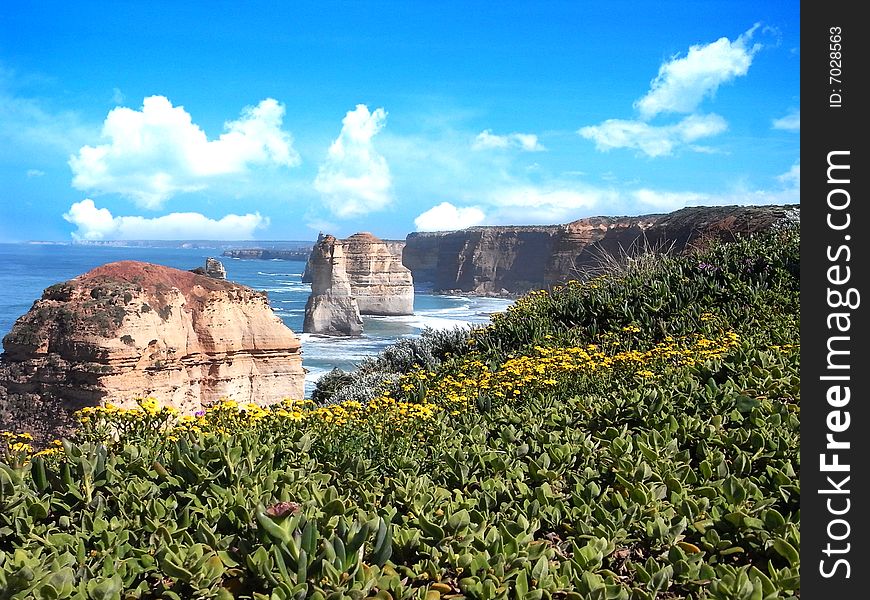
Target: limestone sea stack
pixel 331 308
pixel 379 281
pixel 213 268
pixel 131 329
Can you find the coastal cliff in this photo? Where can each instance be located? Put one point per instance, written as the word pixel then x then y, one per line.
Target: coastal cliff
pixel 268 253
pixel 130 329
pixel 503 260
pixel 331 308
pixel 360 275
pixel 379 281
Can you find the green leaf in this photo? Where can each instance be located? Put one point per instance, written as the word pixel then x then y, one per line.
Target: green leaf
pixel 459 520
pixel 105 589
pixel 335 507
pixel 787 551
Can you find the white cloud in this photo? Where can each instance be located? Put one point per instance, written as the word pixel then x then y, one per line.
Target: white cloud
pixel 547 204
pixel 792 177
pixel 447 217
pixel 354 179
pixel 35 173
pixel 154 153
pixel 790 122
pixel 666 201
pixel 320 225
pixel 650 139
pixel 28 126
pixel 682 83
pixel 117 96
pixel 487 140
pixel 98 224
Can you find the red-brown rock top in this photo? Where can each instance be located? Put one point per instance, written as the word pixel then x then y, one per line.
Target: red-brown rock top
pixel 130 329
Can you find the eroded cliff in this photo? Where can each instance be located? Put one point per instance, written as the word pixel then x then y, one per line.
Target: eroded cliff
pixel 379 281
pixel 130 329
pixel 331 308
pixel 515 259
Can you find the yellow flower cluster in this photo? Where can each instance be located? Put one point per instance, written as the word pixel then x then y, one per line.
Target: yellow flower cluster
pixel 56 447
pixel 228 416
pixel 548 366
pixel 424 394
pixel 15 443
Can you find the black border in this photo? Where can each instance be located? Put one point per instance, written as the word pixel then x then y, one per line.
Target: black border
pixel 829 128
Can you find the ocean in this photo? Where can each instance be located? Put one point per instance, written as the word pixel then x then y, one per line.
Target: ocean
pixel 27 269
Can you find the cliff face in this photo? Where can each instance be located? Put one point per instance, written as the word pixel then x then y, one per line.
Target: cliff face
pixel 499 260
pixel 268 254
pixel 132 329
pixel 379 281
pixel 331 308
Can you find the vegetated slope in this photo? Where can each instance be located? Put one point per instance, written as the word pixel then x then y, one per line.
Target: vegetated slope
pixel 634 436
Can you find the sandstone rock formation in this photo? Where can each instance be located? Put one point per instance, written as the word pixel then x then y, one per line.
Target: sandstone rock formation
pixel 213 268
pixel 515 259
pixel 379 281
pixel 331 308
pixel 360 275
pixel 132 329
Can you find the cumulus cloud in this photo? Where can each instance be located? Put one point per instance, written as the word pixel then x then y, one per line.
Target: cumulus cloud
pixel 354 179
pixel 666 201
pixel 447 217
pixel 27 126
pixel 156 152
pixel 94 223
pixel 792 177
pixel 653 140
pixel 548 204
pixel 790 122
pixel 681 85
pixel 683 82
pixel 487 140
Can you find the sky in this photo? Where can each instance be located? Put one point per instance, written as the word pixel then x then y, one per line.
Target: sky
pixel 278 120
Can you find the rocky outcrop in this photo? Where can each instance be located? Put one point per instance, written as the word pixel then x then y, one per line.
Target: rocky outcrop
pixel 360 275
pixel 512 259
pixel 132 329
pixel 395 248
pixel 213 268
pixel 379 281
pixel 268 254
pixel 331 308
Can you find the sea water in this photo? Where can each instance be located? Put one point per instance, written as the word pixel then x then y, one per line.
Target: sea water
pixel 27 269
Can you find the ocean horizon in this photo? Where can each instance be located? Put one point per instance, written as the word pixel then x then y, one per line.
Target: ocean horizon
pixel 27 268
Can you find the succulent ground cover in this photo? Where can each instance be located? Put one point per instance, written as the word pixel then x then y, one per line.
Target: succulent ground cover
pixel 634 436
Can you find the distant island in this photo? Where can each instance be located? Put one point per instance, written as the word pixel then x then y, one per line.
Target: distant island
pixel 293 245
pixel 269 253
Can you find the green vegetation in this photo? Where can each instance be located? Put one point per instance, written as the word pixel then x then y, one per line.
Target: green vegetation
pixel 635 436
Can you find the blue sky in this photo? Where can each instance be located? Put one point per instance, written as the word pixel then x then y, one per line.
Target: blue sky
pixel 276 120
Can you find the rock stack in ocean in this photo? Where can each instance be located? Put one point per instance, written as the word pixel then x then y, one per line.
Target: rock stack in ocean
pixel 360 275
pixel 215 268
pixel 331 308
pixel 130 329
pixel 379 281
